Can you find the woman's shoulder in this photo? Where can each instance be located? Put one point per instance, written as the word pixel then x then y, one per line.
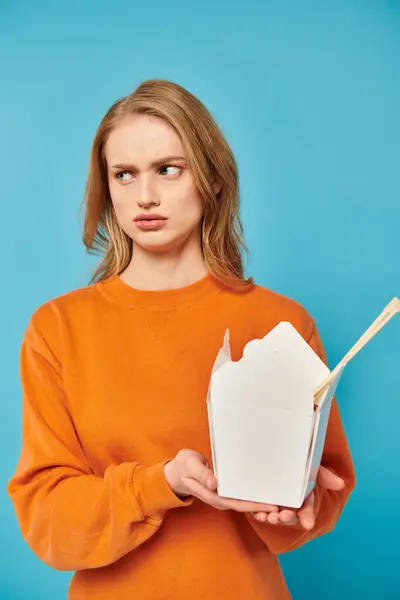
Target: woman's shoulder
pixel 65 301
pixel 51 315
pixel 269 307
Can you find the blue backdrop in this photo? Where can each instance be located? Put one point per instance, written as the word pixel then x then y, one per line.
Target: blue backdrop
pixel 308 95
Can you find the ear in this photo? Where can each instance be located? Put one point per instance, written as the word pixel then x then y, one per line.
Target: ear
pixel 216 187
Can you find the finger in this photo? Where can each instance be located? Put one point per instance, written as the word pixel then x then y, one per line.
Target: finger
pixel 261 516
pixel 288 517
pixel 197 489
pixel 251 507
pixel 206 494
pixel 327 479
pixel 197 469
pixel 210 497
pixel 306 513
pixel 211 481
pixel 273 518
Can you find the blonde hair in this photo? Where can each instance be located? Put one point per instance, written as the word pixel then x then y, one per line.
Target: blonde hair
pixel 210 159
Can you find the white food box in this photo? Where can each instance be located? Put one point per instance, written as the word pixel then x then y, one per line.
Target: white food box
pixel 266 434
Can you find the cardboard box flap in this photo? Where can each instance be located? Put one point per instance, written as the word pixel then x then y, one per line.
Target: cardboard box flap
pixel 296 352
pixel 318 439
pixel 223 356
pixel 280 369
pixel 224 353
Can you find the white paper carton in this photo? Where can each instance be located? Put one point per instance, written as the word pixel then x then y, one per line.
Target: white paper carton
pixel 266 436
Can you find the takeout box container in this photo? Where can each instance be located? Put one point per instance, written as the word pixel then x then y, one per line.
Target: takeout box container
pixel 268 414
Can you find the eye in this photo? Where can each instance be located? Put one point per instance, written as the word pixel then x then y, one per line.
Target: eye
pixel 124 176
pixel 177 171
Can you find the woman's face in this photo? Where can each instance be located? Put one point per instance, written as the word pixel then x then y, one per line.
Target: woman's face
pixel 151 187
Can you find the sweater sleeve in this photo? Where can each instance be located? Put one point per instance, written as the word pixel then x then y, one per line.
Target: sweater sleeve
pixel 328 504
pixel 71 518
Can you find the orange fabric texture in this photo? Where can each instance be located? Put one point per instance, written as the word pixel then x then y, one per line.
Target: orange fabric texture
pixel 114 384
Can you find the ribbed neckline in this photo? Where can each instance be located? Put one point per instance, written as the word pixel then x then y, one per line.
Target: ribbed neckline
pixel 119 291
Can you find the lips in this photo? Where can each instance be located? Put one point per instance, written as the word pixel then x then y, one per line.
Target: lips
pixel 149 217
pixel 150 222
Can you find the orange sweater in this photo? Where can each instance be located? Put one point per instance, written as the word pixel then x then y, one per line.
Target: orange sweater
pixel 114 385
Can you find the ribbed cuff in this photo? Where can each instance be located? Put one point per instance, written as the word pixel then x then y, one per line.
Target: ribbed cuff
pixel 152 491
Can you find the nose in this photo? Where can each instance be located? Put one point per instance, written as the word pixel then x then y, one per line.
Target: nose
pixel 146 193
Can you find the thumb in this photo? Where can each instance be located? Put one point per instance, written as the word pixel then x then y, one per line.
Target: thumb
pixel 328 480
pixel 200 470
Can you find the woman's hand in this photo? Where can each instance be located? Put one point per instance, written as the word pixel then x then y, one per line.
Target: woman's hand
pixel 305 515
pixel 189 474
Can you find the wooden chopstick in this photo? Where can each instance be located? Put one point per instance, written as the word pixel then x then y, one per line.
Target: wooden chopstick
pixel 388 312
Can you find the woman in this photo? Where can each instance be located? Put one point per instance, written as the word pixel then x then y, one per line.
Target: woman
pixel 113 480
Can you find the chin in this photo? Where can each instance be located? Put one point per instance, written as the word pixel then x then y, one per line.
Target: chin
pixel 166 240
pixel 155 245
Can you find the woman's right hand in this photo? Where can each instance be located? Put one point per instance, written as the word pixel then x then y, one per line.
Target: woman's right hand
pixel 189 474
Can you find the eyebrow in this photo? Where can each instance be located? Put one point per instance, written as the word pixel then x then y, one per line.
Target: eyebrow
pixel 156 163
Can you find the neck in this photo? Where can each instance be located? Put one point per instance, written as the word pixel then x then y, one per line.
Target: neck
pixel 163 271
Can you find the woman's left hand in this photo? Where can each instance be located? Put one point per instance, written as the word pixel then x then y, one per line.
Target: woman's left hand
pixel 305 515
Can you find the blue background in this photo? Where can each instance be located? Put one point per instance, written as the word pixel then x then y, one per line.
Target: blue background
pixel 308 95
